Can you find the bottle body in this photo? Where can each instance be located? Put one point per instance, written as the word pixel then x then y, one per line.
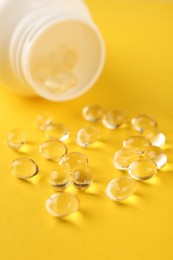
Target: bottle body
pixel 35 35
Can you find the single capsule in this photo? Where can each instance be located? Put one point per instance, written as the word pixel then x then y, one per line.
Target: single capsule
pixel 114 119
pixel 155 136
pixel 124 157
pixel 53 149
pixel 68 78
pixel 60 177
pixel 141 122
pixel 62 204
pixel 56 131
pixel 24 168
pixel 87 136
pixel 120 188
pixel 142 169
pixel 139 143
pixel 93 113
pixel 156 154
pixel 42 121
pixel 82 177
pixel 16 138
pixel 53 84
pixel 73 159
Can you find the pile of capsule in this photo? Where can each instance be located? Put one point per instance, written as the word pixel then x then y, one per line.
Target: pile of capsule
pixel 55 72
pixel 141 156
pixel 71 168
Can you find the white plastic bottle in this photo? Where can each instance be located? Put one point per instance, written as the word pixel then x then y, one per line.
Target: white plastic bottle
pixel 38 37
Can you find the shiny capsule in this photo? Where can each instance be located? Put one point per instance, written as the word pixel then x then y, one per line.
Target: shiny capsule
pixel 139 143
pixel 142 169
pixel 42 121
pixel 114 119
pixel 53 149
pixel 93 113
pixel 124 157
pixel 56 131
pixel 16 139
pixel 142 122
pixel 157 155
pixel 62 204
pixel 24 168
pixel 73 159
pixel 156 137
pixel 87 136
pixel 60 177
pixel 120 188
pixel 82 177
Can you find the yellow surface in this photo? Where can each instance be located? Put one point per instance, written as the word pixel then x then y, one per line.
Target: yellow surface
pixel 138 77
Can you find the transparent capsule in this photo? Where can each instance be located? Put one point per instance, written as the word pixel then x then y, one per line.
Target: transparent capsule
pixel 93 113
pixel 62 204
pixel 82 177
pixel 60 177
pixel 24 168
pixel 139 143
pixel 73 159
pixel 156 154
pixel 53 84
pixel 120 188
pixel 87 136
pixel 42 121
pixel 155 136
pixel 124 157
pixel 53 149
pixel 60 81
pixel 56 131
pixel 142 169
pixel 68 78
pixel 142 122
pixel 16 138
pixel 114 119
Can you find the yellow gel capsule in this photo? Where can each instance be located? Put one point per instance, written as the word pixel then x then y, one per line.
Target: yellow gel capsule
pixel 142 122
pixel 87 136
pixel 73 159
pixel 56 131
pixel 82 177
pixel 155 136
pixel 53 149
pixel 16 138
pixel 157 155
pixel 93 113
pixel 24 168
pixel 124 157
pixel 68 78
pixel 60 177
pixel 114 119
pixel 139 143
pixel 142 169
pixel 62 204
pixel 120 188
pixel 59 82
pixel 42 121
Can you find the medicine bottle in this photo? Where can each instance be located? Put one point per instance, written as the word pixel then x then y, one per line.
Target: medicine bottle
pixel 49 48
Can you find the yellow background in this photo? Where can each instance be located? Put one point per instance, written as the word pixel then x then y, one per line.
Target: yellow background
pixel 138 78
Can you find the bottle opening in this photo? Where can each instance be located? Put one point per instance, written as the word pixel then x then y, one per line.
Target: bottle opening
pixel 65 59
